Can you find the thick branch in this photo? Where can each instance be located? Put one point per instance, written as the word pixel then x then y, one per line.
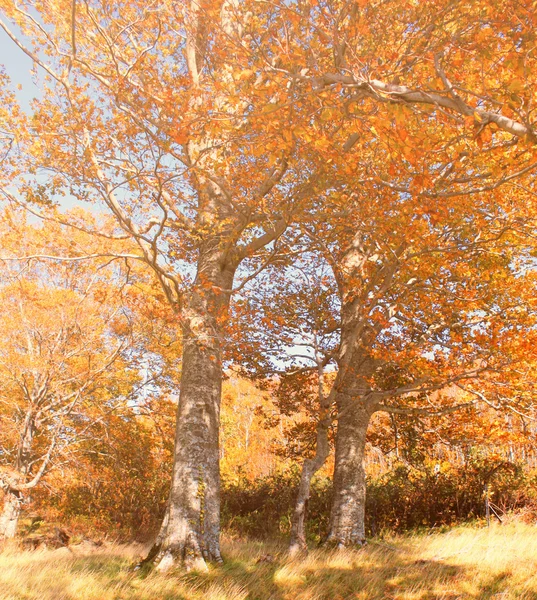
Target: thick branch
pixel 392 92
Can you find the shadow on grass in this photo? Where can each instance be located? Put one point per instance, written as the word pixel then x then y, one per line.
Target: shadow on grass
pixel 372 574
pixel 498 586
pixel 258 580
pixel 382 581
pixel 108 565
pixel 364 576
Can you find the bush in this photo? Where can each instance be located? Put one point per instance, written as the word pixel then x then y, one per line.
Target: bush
pixel 405 498
pixel 409 498
pixel 263 508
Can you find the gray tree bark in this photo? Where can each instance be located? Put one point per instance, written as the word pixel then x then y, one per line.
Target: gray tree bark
pixel 347 517
pixel 9 518
pixel 297 542
pixel 190 534
pixel 14 498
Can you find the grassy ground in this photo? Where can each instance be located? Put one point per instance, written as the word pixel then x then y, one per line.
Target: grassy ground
pixel 499 563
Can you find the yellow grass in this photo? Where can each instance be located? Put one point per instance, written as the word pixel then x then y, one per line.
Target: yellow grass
pixel 499 563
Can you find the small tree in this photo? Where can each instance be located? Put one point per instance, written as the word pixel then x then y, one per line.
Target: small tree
pixel 71 352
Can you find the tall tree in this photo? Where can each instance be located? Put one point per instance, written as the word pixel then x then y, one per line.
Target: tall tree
pixel 156 114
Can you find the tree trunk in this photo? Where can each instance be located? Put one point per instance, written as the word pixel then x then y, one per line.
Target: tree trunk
pixel 14 498
pixel 297 542
pixel 10 515
pixel 190 532
pixel 347 527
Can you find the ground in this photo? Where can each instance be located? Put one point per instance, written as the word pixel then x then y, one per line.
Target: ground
pixel 499 562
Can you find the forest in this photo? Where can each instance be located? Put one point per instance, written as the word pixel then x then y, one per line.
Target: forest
pixel 268 299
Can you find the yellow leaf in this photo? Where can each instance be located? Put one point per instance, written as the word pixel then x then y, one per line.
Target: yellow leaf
pixel 268 108
pixel 516 86
pixel 246 74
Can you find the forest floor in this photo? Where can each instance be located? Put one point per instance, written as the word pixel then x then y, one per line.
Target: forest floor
pixel 499 562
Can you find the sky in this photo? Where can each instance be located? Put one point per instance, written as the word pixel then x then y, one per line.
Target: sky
pixel 20 69
pixel 18 66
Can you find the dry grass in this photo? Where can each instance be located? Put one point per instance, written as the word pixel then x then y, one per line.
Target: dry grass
pixel 500 563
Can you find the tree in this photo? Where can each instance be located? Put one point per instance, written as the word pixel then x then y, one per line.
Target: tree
pixel 405 307
pixel 203 126
pixel 287 341
pixel 156 121
pixel 422 199
pixel 67 359
pixel 116 428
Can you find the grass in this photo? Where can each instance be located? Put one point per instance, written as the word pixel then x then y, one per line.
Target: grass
pixel 499 562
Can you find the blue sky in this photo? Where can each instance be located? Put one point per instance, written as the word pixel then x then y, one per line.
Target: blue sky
pixel 20 69
pixel 18 66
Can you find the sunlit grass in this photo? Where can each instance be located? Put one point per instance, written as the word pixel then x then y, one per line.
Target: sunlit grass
pixel 499 562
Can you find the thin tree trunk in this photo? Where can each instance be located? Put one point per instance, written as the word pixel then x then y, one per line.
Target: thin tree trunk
pixel 9 518
pixel 297 542
pixel 347 525
pixel 190 532
pixel 13 499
